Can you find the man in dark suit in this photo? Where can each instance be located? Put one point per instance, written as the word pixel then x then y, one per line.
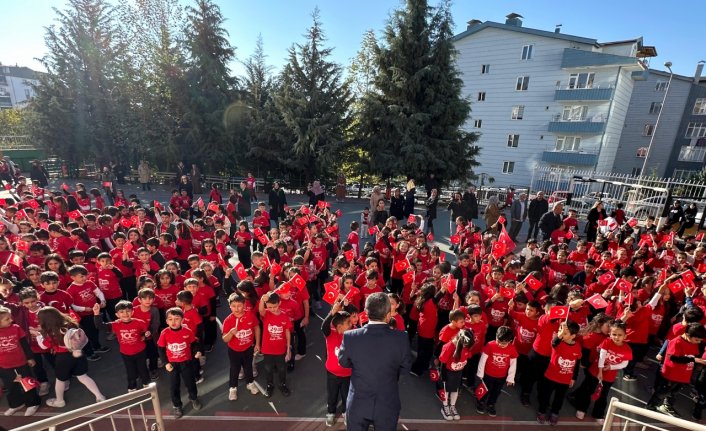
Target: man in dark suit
pixel 377 354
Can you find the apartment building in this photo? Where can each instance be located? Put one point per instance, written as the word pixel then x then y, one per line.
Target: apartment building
pixel 545 98
pixel 16 86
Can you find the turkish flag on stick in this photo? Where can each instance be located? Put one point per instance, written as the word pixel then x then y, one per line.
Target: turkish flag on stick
pixel 559 312
pixel 597 301
pixel 481 390
pixel 332 292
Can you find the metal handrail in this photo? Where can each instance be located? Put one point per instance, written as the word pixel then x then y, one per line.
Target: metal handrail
pixel 150 391
pixel 615 404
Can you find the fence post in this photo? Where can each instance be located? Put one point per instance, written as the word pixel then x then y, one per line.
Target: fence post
pixel 159 420
pixel 608 421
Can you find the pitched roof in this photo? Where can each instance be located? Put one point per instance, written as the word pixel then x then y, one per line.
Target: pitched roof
pixel 19 72
pixel 543 33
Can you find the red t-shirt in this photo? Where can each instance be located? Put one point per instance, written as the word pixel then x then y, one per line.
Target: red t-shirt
pixel 447 357
pixel 498 363
pixel 177 343
pixel 497 312
pixel 680 373
pixel 592 342
pixel 145 316
pixel 109 284
pixel 192 320
pixel 562 363
pixel 11 353
pixel 545 334
pixel 427 319
pixel 447 334
pixel 333 344
pixel 167 297
pixel 58 299
pixel 614 355
pixel 83 295
pixel 274 339
pixel 525 331
pixel 244 336
pixel 130 335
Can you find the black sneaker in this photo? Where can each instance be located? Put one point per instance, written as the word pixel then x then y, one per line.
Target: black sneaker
pixel 196 405
pixel 525 400
pixel 268 391
pixel 102 349
pixel 480 408
pixel 178 412
pixel 94 357
pixel 491 411
pixel 154 376
pixel 285 390
pixel 290 366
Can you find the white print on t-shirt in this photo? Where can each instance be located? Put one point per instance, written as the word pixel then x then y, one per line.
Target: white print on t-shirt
pixel 103 283
pixel 336 350
pixel 496 314
pixel 458 366
pixel 275 332
pixel 244 334
pixel 526 336
pixel 8 344
pixel 86 295
pixel 128 336
pixel 178 350
pixel 657 319
pixel 566 365
pixel 500 361
pixel 612 358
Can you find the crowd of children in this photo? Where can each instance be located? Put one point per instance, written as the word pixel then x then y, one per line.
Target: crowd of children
pixel 564 319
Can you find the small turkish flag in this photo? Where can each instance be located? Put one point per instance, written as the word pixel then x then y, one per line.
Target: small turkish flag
pixel 240 271
pixel 303 220
pixel 213 206
pixel 332 292
pixel 434 374
pixel 284 289
pixel 402 265
pixel 498 250
pixel 629 299
pixel 313 219
pixel 329 230
pixel 481 390
pixel 559 312
pixel 688 277
pixel 700 236
pixel 75 214
pixel 455 239
pixel 607 277
pixel 476 253
pixel 351 293
pixel 21 245
pixel 157 205
pixel 607 264
pixel 13 259
pixel 597 301
pixel 127 247
pixel 339 213
pixel 597 393
pixel 28 383
pixel 533 283
pixel 21 214
pixel 624 285
pixel 257 232
pixel 199 203
pixel 430 237
pixel 632 222
pixel 701 268
pixel 298 282
pixel 602 222
pixel 569 235
pixel 677 286
pixel 126 223
pixel 275 268
pixel 442 257
pixel 32 203
pixel 263 239
pixel 408 277
pixel 485 268
pixel 501 220
pixel 64 186
pixel 372 230
pixel 507 293
pixel 450 283
pixel 411 219
pixel 304 209
pixel 321 204
pixel 363 317
pixel 349 255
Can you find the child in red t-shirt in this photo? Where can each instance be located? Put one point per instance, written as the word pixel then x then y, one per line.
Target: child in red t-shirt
pixel 241 332
pixel 16 358
pixel 276 342
pixel 178 347
pixel 338 378
pixel 453 359
pixel 561 373
pixel 496 367
pixel 682 353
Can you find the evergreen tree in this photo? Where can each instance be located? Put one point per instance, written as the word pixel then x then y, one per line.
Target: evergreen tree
pixel 313 101
pixel 211 89
pixel 412 123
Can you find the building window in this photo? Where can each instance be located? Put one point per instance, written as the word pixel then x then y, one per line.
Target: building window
pixel 682 174
pixel 527 52
pixel 581 80
pixel 641 152
pixel 522 83
pixel 636 172
pixel 481 96
pixel 699 107
pixel 517 112
pixel 477 123
pixel 655 107
pixel 28 93
pixel 508 167
pixel 648 130
pixel 574 113
pixel 513 141
pixel 661 86
pixel 485 69
pixel 568 143
pixel 695 130
pixel 3 80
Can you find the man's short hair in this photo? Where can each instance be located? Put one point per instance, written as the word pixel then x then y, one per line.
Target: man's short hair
pixel 377 306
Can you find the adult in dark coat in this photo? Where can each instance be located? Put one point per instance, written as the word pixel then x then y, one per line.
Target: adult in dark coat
pixel 409 193
pixel 397 205
pixel 537 208
pixel 596 213
pixel 378 355
pixel 277 202
pixel 470 204
pixel 432 203
pixel 551 220
pixel 39 173
pixel 180 172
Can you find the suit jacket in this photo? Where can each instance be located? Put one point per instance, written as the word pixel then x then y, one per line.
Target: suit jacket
pixel 537 208
pixel 516 212
pixel 377 354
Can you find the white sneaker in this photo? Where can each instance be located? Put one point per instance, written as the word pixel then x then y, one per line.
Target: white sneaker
pixel 330 419
pixel 241 375
pixel 299 357
pixel 199 380
pixel 53 402
pixel 600 421
pixel 232 394
pixel 12 411
pixel 43 388
pixel 31 410
pixel 252 388
pixel 580 415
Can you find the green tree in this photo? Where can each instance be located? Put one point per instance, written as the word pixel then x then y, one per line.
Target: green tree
pixel 78 101
pixel 313 100
pixel 211 89
pixel 15 122
pixel 412 123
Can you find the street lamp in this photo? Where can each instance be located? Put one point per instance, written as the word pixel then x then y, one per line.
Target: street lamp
pixel 668 65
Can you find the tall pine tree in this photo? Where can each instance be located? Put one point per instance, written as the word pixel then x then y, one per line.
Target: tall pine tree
pixel 211 89
pixel 314 100
pixel 411 124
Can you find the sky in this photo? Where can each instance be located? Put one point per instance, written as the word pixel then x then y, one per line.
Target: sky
pixel 675 28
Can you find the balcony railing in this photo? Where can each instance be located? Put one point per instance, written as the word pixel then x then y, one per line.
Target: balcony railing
pixel 584 94
pixel 572 158
pixel 692 154
pixel 593 125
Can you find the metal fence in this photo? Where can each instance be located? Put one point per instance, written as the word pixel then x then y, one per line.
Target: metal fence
pixel 133 411
pixel 622 416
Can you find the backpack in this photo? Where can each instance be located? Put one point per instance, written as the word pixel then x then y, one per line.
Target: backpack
pixel 75 340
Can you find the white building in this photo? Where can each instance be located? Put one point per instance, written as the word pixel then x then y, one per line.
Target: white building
pixel 16 86
pixel 544 98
